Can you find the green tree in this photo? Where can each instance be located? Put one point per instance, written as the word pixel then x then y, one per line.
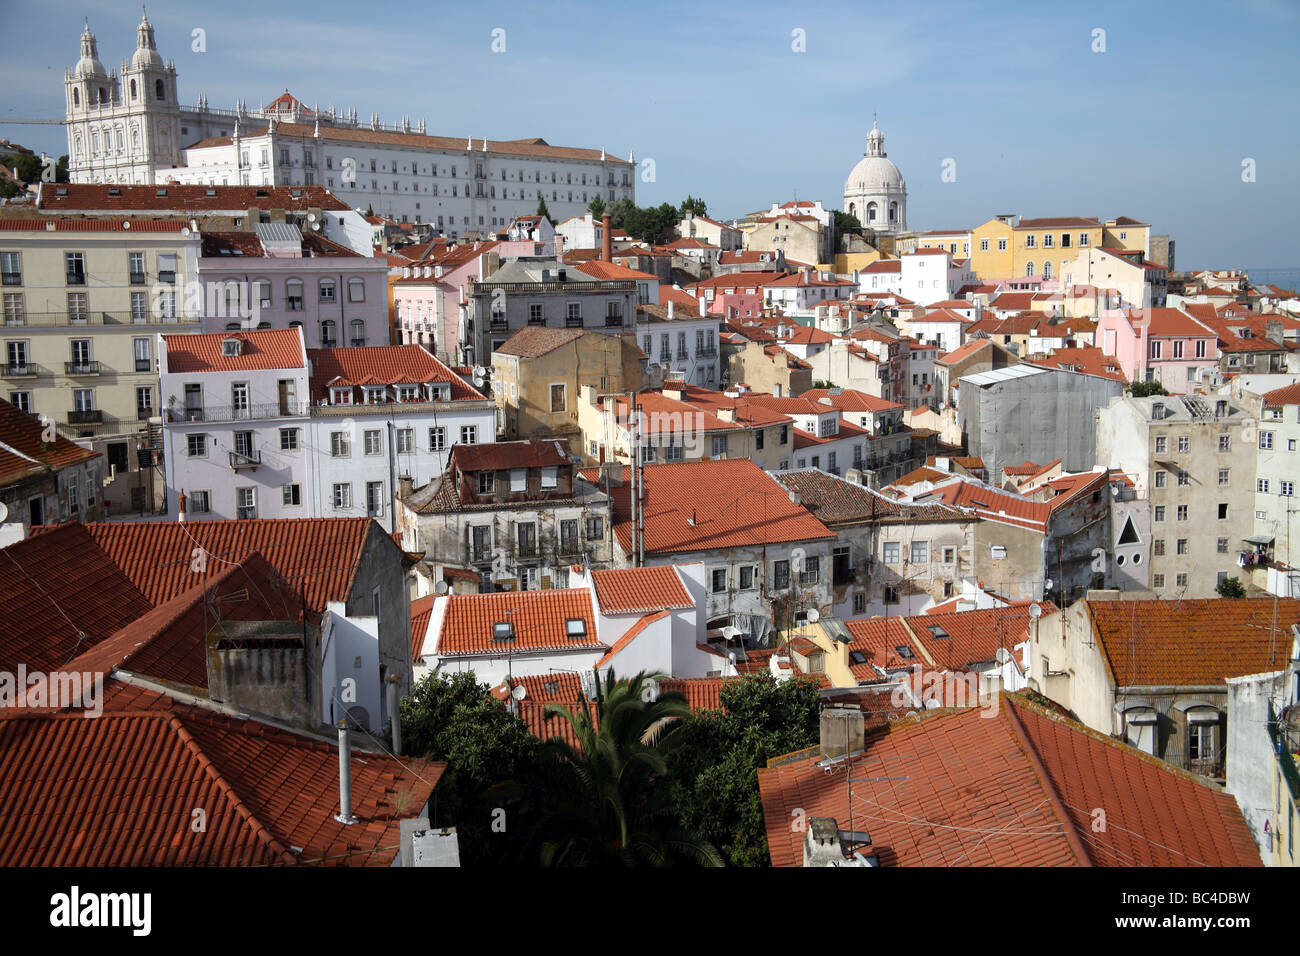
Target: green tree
pixel 1146 389
pixel 1230 588
pixel 370 210
pixel 692 205
pixel 715 764
pixel 541 207
pixel 846 222
pixel 607 801
pixel 61 170
pixel 596 207
pixel 490 756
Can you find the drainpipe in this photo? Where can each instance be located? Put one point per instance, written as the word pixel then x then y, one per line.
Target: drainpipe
pixel 345 776
pixel 394 714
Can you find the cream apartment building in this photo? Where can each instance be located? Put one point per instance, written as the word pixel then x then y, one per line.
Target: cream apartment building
pixel 83 301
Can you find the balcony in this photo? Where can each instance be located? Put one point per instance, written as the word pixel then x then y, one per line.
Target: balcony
pixel 251 460
pixel 144 365
pixel 12 278
pixel 482 555
pixel 707 352
pixel 76 278
pixel 86 416
pixel 167 276
pixel 81 368
pixel 19 371
pixel 526 550
pixel 237 413
pixel 683 355
pixel 138 278
pixel 144 414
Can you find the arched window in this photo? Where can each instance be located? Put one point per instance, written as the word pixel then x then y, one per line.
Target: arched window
pixel 232 326
pixel 263 325
pixel 103 96
pixel 327 290
pixel 158 90
pixel 871 212
pixel 328 336
pixel 293 295
pixel 76 97
pixel 357 287
pixel 356 333
pixel 133 93
pixel 1029 268
pixel 893 212
pixel 1047 270
pixel 853 209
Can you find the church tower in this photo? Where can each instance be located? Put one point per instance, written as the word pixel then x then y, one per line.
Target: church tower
pixel 875 191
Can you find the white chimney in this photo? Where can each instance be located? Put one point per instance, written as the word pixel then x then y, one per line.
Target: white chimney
pixel 704 308
pixel 345 776
pixel 670 308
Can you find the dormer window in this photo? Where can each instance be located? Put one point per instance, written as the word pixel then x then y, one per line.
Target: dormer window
pixel 408 393
pixel 340 396
pixel 575 628
pixel 503 631
pixel 550 478
pixel 230 347
pixel 375 395
pixel 518 479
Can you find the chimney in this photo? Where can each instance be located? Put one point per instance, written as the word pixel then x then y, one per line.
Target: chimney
pixel 395 714
pixel 704 308
pixel 1273 330
pixel 606 239
pixel 345 776
pixel 405 485
pixel 180 507
pixel 670 308
pixel 842 732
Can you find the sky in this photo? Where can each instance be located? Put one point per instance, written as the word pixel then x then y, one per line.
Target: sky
pixel 1029 108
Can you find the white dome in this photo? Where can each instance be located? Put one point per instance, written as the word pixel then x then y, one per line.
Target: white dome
pixel 874 174
pixel 146 60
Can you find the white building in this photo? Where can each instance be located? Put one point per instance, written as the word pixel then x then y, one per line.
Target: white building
pixel 875 191
pixel 133 129
pixel 934 275
pixel 257 426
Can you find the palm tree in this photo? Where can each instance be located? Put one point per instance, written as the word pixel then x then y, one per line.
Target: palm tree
pixel 608 801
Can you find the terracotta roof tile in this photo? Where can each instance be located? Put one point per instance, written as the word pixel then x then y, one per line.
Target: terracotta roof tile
pixel 534 340
pixel 538 616
pixel 23 453
pixel 262 349
pixel 189 198
pixel 382 365
pixel 640 590
pixel 500 456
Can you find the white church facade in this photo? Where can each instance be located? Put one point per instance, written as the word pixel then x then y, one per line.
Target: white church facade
pixel 129 127
pixel 875 191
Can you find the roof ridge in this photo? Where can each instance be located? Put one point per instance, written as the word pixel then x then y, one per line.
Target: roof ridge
pixel 1054 798
pixel 262 832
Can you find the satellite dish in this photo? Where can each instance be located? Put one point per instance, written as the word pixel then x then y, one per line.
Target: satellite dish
pixel 814 616
pixel 441 587
pixel 731 633
pixel 478 380
pixel 4 512
pixel 479 370
pixel 126 223
pixel 1035 611
pixel 311 217
pixel 519 692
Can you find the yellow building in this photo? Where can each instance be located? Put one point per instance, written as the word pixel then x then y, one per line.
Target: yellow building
pixel 1128 234
pixel 991 257
pixel 956 242
pixel 847 263
pixel 1045 247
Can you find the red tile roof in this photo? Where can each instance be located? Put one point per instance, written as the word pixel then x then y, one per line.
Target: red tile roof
pixel 382 365
pixel 849 400
pixel 732 502
pixel 198 198
pixel 640 590
pixel 120 790
pixel 1086 359
pixel 500 456
pixel 264 349
pixel 612 270
pixel 960 640
pixel 534 340
pixel 318 554
pixel 64 224
pixel 421 611
pixel 1192 642
pixel 1287 395
pixel 701 693
pixel 23 453
pixel 60 595
pixel 1015 788
pixel 538 616
pixel 1086 222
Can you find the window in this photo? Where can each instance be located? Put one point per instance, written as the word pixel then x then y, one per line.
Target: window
pixel 21 401
pixel 356 289
pixel 1159 513
pixel 1222 546
pixel 1182 512
pixel 747 577
pixel 1225 443
pixel 780 575
pixel 811 571
pixel 1158 547
pixel 1286 488
pixel 595 529
pixel 328 334
pixel 1184 478
pixel 860 599
pixel 1223 477
pixel 78 312
pixel 1261 485
pixel 291 495
pixel 196 445
pixel 568 535
pixel 198 502
pixel 1266 440
pixel 550 478
pixel 1223 511
pixel 374 444
pixel 374 498
pixel 719 449
pixel 998 552
pixel 288 439
pixel 437 438
pixel 1157 581
pixel 144 402
pixel 1162 444
pixel 342 494
pixel 15 308
pixel 245 503
pixel 1182 545
pixel 1002 245
pixel 405 440
pixel 535 314
pixel 526 533
pixel 785 435
pixel 891 595
pixel 559 398
pixel 719 580
pixel 984 245
pixel 1160 479
pixel 920 552
pixel 1180 581
pixel 469 434
pixel 340 445
pixel 75 267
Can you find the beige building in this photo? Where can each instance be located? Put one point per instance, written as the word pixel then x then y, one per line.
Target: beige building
pixel 539 374
pixel 83 302
pixel 726 238
pixel 801 238
pixel 1195 459
pixel 769 368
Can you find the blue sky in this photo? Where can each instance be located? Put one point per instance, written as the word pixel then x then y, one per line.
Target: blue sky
pixel 1156 127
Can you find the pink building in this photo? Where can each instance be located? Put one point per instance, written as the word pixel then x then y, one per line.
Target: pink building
pixel 1165 345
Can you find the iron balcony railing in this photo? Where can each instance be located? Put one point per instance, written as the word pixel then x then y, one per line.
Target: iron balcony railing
pixel 240 460
pixel 81 368
pixel 85 416
pixel 234 413
pixel 19 371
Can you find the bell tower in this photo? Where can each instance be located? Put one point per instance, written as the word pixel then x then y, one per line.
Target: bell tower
pixel 153 112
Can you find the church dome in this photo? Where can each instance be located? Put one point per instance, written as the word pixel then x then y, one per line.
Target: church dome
pixel 89 64
pixel 146 50
pixel 874 173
